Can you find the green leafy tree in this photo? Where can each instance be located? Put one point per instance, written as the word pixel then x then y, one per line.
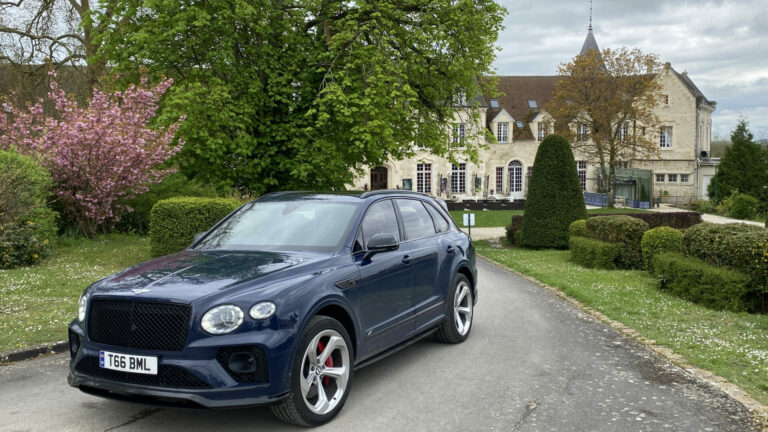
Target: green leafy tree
pixel 605 102
pixel 554 199
pixel 304 93
pixel 743 167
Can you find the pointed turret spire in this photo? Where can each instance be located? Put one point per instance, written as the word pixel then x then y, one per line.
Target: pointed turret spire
pixel 590 43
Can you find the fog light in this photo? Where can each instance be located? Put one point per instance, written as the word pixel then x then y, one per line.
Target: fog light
pixel 242 362
pixel 74 344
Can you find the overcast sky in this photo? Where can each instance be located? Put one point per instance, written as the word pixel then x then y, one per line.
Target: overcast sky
pixel 723 45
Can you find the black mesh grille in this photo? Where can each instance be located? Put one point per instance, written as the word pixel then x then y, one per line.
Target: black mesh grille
pixel 140 325
pixel 167 375
pixel 260 375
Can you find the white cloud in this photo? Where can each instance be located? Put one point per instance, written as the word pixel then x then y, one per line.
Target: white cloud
pixel 723 45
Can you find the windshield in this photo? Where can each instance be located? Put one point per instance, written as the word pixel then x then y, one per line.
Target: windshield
pixel 286 225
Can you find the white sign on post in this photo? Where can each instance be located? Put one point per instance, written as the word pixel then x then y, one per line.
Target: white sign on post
pixel 469 219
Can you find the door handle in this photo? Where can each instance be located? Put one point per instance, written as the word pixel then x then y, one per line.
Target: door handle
pixel 407 259
pixel 450 249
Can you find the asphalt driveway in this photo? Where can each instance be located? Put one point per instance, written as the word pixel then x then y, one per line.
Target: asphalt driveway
pixel 532 363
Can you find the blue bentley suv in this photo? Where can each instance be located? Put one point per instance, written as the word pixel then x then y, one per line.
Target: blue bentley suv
pixel 278 304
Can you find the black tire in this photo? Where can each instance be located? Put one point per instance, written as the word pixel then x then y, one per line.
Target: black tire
pixel 451 331
pixel 295 409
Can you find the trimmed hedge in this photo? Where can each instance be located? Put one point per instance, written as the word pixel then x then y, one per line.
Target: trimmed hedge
pixel 592 253
pixel 749 255
pixel 174 222
pixel 706 241
pixel 513 228
pixel 578 228
pixel 555 198
pixel 174 185
pixel 624 231
pixel 679 220
pixel 658 240
pixel 697 281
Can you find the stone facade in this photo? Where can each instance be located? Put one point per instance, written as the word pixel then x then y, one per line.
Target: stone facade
pixel 681 172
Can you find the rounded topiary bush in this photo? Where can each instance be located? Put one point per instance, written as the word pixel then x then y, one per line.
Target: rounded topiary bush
pixel 626 232
pixel 706 241
pixel 555 198
pixel 658 240
pixel 578 228
pixel 743 206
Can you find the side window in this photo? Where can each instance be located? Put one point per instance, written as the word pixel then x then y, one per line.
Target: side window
pixel 416 220
pixel 441 224
pixel 379 219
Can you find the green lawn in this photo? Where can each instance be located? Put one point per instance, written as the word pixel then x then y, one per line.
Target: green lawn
pixel 37 303
pixel 501 218
pixel 732 345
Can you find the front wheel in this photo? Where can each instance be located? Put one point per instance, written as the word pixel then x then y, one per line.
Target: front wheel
pixel 321 376
pixel 455 329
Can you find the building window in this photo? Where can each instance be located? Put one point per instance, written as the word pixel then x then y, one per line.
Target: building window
pixel 424 178
pixel 665 137
pixel 672 178
pixel 515 176
pixel 582 132
pixel 581 167
pixel 458 133
pixel 642 131
pixel 502 132
pixel 624 132
pixel 543 130
pixel 460 99
pixel 666 99
pixel 659 178
pixel 494 103
pixel 519 124
pixel 499 180
pixel 683 178
pixel 459 178
pixel 532 104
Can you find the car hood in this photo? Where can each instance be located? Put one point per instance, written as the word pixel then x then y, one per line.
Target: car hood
pixel 190 275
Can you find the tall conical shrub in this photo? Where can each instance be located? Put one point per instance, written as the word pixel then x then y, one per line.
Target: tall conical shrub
pixel 554 197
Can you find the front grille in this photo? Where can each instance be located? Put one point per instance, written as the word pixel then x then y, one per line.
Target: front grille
pixel 140 325
pixel 167 375
pixel 261 372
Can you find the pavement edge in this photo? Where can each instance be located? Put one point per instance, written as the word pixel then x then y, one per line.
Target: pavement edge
pixel 33 351
pixel 759 410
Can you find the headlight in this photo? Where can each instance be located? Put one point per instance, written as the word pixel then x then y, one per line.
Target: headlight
pixel 263 310
pixel 81 308
pixel 222 319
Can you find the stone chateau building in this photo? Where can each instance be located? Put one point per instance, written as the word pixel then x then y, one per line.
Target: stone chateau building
pixel 682 171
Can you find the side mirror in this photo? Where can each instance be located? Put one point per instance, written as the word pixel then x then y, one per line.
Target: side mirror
pixel 381 243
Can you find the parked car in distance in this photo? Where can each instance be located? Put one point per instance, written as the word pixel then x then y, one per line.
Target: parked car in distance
pixel 278 304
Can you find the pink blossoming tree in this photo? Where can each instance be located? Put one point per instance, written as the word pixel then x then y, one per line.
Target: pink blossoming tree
pixel 97 154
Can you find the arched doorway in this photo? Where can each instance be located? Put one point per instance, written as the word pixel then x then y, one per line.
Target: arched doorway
pixel 515 169
pixel 378 178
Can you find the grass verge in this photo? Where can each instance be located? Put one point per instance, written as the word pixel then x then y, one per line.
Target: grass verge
pixel 501 218
pixel 732 345
pixel 37 303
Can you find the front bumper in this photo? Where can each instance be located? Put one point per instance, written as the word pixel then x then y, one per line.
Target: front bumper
pixel 191 378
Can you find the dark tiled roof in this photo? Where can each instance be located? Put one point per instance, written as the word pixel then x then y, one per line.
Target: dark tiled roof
pixel 517 90
pixel 589 43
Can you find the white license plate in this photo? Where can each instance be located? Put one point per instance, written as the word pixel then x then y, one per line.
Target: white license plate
pixel 128 363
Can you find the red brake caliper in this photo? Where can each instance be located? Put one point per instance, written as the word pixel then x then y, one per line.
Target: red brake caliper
pixel 328 363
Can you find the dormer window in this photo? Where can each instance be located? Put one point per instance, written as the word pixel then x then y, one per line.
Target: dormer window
pixel 532 104
pixel 494 103
pixel 460 99
pixel 502 132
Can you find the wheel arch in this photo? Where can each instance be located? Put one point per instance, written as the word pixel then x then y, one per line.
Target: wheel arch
pixel 467 272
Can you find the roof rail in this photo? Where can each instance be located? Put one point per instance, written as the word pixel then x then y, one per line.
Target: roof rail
pixel 279 193
pixel 389 192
